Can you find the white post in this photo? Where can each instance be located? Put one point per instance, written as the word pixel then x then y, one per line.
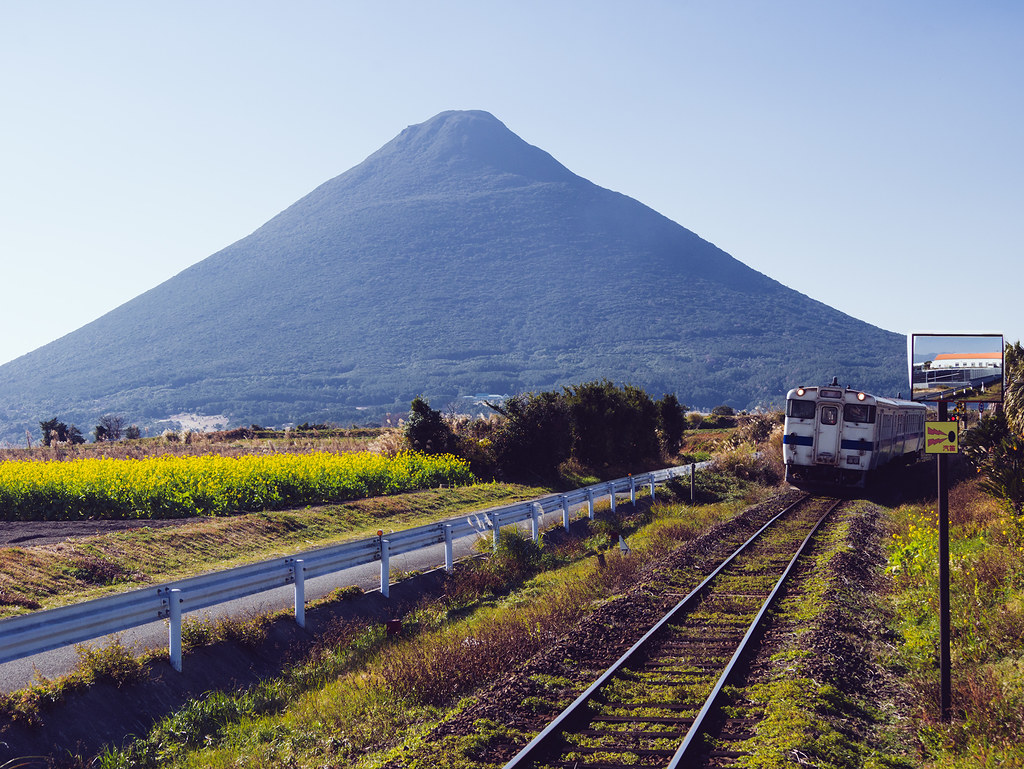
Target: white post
pixel 174 640
pixel 385 568
pixel 632 489
pixel 535 520
pixel 449 558
pixel 565 512
pixel 496 530
pixel 652 488
pixel 590 502
pixel 611 495
pixel 300 592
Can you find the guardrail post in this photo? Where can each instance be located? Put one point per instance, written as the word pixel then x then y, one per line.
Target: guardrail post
pixel 385 568
pixel 535 521
pixel 300 592
pixel 693 482
pixel 652 489
pixel 496 531
pixel 565 512
pixel 174 599
pixel 632 489
pixel 611 495
pixel 449 558
pixel 590 503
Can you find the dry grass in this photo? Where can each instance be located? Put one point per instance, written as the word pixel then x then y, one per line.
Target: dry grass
pixel 436 667
pixel 232 443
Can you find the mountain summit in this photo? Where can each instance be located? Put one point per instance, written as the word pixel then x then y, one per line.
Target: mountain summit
pixel 457 259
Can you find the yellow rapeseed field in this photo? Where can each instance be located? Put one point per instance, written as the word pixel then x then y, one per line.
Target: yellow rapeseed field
pixel 175 486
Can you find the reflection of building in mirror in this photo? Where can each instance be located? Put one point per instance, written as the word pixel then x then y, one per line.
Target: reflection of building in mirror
pixel 967 369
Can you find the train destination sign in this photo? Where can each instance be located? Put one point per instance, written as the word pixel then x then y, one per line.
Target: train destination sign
pixel 941 437
pixel 956 368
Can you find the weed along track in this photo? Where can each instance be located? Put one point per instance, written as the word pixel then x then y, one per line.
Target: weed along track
pixel 663 702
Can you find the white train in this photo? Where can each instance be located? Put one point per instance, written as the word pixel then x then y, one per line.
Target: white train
pixel 837 436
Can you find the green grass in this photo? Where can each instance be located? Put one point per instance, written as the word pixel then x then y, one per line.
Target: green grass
pixel 374 699
pixel 52 575
pixel 987 619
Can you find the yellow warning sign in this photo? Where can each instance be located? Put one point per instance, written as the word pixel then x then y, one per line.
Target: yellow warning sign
pixel 941 437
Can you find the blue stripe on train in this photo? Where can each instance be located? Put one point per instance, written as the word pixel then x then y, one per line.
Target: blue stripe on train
pixel 798 440
pixel 858 445
pixel 848 445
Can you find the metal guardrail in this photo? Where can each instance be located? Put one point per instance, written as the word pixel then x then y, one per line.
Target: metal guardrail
pixel 48 629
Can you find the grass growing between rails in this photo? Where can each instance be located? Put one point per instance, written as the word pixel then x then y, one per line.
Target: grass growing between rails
pixel 177 487
pixel 987 622
pixel 372 698
pixel 51 575
pixel 821 697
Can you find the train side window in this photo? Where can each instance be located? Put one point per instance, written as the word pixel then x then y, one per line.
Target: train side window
pixel 859 413
pixel 801 409
pixel 829 415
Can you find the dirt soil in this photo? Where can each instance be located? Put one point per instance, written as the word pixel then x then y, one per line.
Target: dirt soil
pixel 32 533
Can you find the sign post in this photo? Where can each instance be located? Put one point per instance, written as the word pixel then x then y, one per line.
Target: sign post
pixel 944 369
pixel 945 668
pixel 943 438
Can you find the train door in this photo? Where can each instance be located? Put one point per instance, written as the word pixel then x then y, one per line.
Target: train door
pixel 827 433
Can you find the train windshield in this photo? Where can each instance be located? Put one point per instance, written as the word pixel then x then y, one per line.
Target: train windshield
pixel 829 415
pixel 859 413
pixel 801 409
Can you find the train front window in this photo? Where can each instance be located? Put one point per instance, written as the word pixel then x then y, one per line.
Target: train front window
pixel 859 413
pixel 801 409
pixel 829 415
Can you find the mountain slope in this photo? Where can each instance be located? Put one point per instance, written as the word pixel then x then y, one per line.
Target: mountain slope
pixel 456 259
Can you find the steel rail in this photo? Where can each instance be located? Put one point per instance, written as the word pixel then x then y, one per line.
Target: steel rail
pixel 692 739
pixel 538 744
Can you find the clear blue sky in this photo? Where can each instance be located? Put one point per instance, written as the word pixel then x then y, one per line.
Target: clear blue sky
pixel 867 154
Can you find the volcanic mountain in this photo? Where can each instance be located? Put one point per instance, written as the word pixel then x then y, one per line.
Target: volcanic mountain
pixel 457 259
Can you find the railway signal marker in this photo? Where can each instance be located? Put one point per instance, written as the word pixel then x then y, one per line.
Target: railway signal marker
pixel 942 438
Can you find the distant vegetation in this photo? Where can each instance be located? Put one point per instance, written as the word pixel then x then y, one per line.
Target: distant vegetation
pixel 593 426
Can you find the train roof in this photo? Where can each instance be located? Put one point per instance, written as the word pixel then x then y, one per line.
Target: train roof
pixel 849 391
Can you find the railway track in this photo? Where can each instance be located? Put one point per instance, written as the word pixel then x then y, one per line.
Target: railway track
pixel 661 703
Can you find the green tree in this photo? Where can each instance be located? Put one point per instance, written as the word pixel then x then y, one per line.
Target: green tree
pixel 56 431
pixel 612 425
pixel 426 429
pixel 671 423
pixel 535 437
pixel 75 436
pixel 53 431
pixel 1013 386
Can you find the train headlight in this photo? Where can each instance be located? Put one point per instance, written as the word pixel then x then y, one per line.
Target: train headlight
pixel 861 396
pixel 800 391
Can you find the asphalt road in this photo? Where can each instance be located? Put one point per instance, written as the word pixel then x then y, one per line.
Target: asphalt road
pixel 20 673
